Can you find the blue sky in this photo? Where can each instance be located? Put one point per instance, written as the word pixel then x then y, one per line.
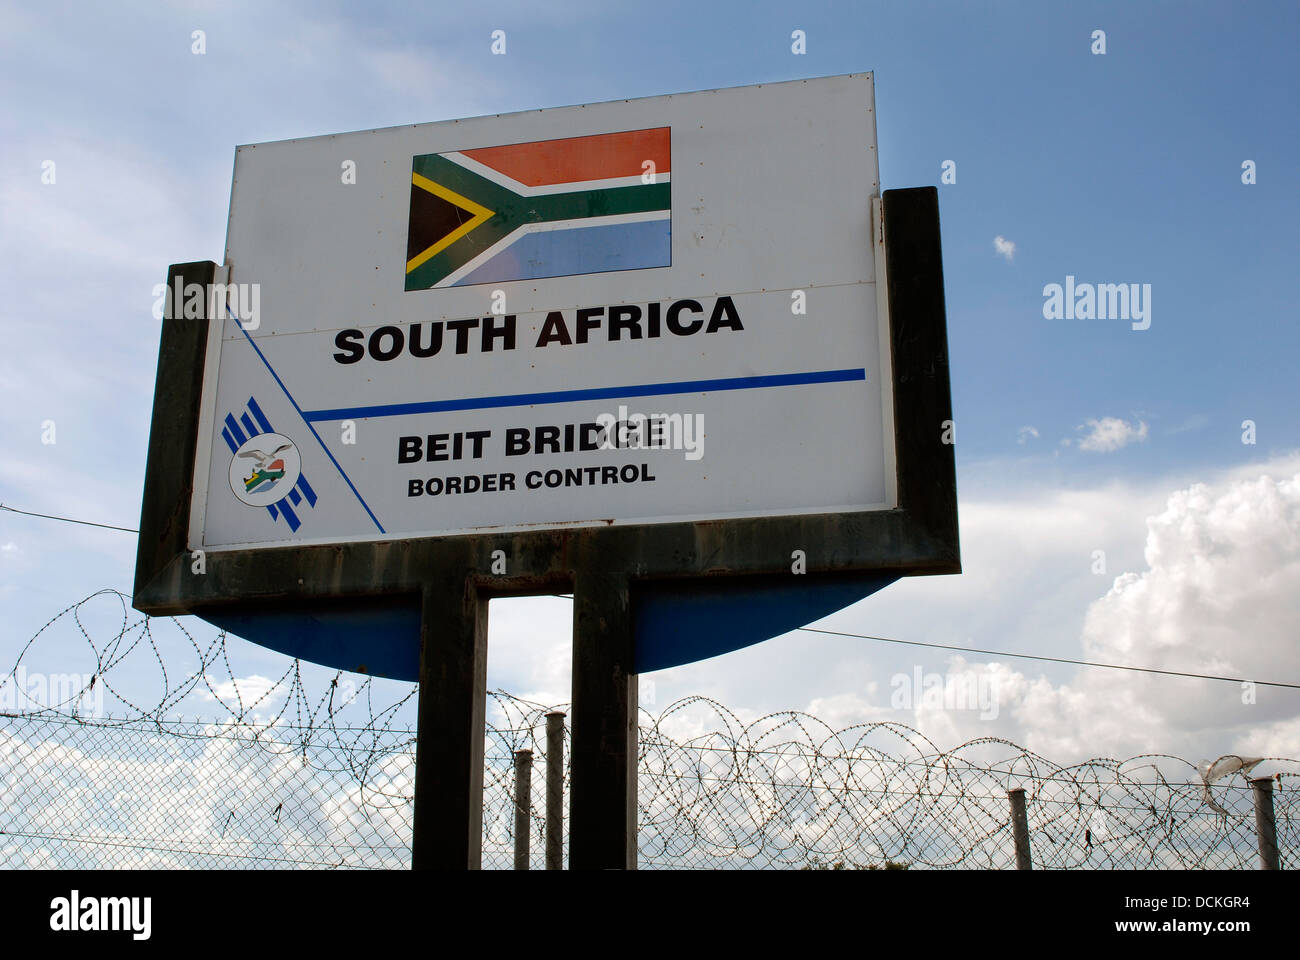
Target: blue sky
pixel 1124 167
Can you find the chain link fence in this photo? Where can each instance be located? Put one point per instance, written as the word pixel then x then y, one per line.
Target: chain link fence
pixel 299 786
pixel 140 794
pixel 789 791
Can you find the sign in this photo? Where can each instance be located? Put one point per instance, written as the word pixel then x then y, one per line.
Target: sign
pixel 682 340
pixel 639 312
pixel 679 356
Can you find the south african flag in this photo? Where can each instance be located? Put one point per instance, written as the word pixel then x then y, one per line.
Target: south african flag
pixel 550 208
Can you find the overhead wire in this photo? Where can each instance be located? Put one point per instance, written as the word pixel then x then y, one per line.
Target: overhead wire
pixel 51 516
pixel 862 636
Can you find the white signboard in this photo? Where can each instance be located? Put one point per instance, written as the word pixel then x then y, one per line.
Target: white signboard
pixel 632 312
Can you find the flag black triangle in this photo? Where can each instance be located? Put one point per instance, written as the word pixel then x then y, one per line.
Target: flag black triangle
pixel 431 219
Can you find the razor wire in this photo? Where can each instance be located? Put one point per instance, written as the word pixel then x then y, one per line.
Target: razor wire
pixel 287 776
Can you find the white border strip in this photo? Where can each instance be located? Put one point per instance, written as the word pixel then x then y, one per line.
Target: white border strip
pixel 203 446
pixel 552 525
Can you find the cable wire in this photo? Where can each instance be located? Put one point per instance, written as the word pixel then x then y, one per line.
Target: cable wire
pixel 863 636
pixel 1077 663
pixel 50 516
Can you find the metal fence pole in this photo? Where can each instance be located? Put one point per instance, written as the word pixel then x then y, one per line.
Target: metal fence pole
pixel 523 806
pixel 555 790
pixel 1265 825
pixel 1020 828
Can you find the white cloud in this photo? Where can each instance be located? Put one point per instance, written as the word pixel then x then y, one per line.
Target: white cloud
pixel 227 799
pixel 1212 588
pixel 1220 595
pixel 845 709
pixel 243 693
pixel 1025 434
pixel 1004 248
pixel 529 653
pixel 1110 434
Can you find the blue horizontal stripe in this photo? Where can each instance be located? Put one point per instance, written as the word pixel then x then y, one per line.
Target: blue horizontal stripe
pixel 562 253
pixel 598 393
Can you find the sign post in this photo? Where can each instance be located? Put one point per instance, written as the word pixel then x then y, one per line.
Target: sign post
pixel 447 827
pixel 676 355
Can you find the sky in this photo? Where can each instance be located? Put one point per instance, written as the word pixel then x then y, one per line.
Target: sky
pixel 1073 436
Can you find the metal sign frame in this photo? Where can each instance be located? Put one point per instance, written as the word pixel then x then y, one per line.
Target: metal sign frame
pixel 451 577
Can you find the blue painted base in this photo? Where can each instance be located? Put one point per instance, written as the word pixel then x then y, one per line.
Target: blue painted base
pixel 682 623
pixel 386 637
pixel 676 623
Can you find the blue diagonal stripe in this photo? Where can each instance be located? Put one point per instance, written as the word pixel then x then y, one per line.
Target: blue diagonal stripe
pixel 333 459
pixel 259 416
pixel 289 515
pixel 597 393
pixel 235 432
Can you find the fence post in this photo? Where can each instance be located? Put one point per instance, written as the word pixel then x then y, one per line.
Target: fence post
pixel 1265 825
pixel 1020 828
pixel 523 806
pixel 555 790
